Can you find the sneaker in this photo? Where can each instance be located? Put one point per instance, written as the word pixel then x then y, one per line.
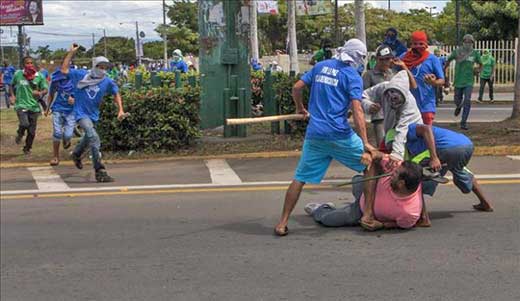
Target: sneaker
pixel 18 139
pixel 464 127
pixel 77 161
pixel 311 207
pixel 491 101
pixel 103 177
pixel 479 101
pixel 457 111
pixel 27 152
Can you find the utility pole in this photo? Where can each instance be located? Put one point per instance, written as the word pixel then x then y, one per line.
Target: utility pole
pixel 137 44
pixel 254 31
pixel 516 103
pixel 291 26
pixel 336 31
pixel 105 40
pixel 93 45
pixel 164 34
pixel 20 46
pixel 457 21
pixel 359 16
pixel 388 4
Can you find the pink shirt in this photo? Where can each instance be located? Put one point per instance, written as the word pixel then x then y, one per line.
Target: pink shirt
pixel 389 207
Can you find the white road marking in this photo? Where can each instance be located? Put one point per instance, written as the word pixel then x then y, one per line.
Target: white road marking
pixel 514 157
pixel 213 185
pixel 221 173
pixel 47 179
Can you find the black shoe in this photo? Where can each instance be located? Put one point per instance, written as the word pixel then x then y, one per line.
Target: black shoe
pixel 457 111
pixel 66 144
pixel 26 152
pixel 464 127
pixel 103 177
pixel 77 161
pixel 18 139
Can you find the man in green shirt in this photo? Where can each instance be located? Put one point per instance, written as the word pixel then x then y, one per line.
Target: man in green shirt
pixel 324 53
pixel 27 86
pixel 466 57
pixel 487 75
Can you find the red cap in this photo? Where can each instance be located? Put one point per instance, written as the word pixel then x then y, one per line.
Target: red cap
pixel 419 36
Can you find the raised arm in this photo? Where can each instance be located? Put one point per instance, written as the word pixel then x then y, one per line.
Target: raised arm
pixel 68 57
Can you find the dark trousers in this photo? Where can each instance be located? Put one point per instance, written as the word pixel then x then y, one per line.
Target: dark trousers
pixel 439 96
pixel 483 82
pixel 27 122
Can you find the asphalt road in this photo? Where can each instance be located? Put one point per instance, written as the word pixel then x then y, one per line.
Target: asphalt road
pixel 215 242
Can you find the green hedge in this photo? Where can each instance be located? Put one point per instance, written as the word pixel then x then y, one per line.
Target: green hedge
pixel 161 119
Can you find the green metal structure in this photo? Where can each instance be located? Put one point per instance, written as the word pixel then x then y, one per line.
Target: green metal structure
pixel 224 64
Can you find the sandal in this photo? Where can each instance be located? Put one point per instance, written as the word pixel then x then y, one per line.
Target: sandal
pixel 281 233
pixel 479 207
pixel 54 162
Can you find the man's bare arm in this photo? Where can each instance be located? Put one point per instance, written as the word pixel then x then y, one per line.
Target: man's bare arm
pixel 66 61
pixel 425 131
pixel 359 121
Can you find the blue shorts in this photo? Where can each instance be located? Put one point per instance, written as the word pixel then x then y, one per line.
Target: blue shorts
pixel 317 154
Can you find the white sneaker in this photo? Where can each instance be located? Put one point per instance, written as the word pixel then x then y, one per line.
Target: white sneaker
pixel 310 207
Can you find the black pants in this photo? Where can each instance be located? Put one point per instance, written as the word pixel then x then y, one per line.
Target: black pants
pixel 439 97
pixel 27 122
pixel 483 82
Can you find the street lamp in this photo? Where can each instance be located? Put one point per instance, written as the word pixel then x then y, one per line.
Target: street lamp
pixel 104 39
pixel 430 8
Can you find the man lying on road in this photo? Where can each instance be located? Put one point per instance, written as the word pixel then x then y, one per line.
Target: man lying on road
pixel 396 203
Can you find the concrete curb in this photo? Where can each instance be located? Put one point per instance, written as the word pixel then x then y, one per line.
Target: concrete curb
pixel 498 150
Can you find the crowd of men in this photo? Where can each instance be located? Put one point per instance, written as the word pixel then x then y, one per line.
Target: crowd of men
pixel 409 154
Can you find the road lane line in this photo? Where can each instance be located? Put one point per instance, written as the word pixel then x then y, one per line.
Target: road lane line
pixel 213 185
pixel 201 190
pixel 47 179
pixel 221 173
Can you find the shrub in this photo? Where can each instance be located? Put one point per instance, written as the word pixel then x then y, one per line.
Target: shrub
pixel 283 84
pixel 161 119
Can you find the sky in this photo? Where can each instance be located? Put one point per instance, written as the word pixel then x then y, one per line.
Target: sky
pixel 73 20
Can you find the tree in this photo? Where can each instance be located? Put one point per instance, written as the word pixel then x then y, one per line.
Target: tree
pixel 154 49
pixel 44 52
pixel 492 20
pixel 119 49
pixel 182 32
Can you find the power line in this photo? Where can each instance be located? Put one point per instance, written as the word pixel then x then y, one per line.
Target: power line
pixel 58 34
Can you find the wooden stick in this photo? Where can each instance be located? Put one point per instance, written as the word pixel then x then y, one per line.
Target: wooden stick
pixel 238 121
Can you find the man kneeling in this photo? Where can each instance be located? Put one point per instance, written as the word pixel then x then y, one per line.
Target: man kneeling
pixel 397 201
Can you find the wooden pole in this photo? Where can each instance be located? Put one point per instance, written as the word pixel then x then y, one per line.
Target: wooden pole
pixel 239 121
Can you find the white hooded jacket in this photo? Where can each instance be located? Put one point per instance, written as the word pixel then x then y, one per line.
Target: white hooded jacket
pixel 400 118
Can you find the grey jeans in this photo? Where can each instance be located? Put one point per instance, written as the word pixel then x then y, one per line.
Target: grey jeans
pixel 348 215
pixel 89 139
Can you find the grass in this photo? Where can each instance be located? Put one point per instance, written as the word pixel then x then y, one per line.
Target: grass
pixel 496 138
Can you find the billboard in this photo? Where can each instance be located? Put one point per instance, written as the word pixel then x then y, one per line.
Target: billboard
pixel 313 7
pixel 21 12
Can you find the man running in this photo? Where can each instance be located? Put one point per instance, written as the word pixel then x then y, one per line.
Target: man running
pixel 336 86
pixel 27 86
pixel 89 89
pixel 428 73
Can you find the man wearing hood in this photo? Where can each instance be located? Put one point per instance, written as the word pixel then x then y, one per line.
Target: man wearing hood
pixel 428 73
pixel 399 110
pixel 335 87
pixel 90 87
pixel 27 86
pixel 391 41
pixel 487 75
pixel 466 57
pixel 63 118
pixel 177 62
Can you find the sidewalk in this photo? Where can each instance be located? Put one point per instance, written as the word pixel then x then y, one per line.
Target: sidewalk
pixel 499 96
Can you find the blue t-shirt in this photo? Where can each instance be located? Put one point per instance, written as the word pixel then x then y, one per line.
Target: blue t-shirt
pixel 61 103
pixel 45 73
pixel 425 94
pixel 88 99
pixel 444 139
pixel 180 65
pixel 8 74
pixel 334 84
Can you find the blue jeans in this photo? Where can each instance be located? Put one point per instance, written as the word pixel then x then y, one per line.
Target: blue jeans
pixel 462 98
pixel 456 160
pixel 348 215
pixel 89 139
pixel 63 125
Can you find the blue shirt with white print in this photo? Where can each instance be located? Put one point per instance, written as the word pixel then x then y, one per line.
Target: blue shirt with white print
pixel 334 84
pixel 88 99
